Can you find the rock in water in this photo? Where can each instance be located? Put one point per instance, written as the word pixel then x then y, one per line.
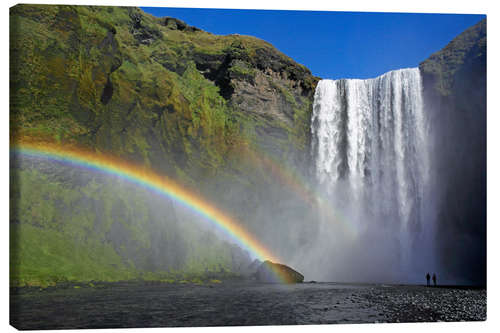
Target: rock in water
pixel 277 273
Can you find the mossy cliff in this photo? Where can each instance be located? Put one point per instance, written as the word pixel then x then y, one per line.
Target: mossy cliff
pixel 155 91
pixel 454 81
pixel 151 89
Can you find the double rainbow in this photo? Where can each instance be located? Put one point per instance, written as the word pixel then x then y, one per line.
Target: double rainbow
pixel 290 178
pixel 148 179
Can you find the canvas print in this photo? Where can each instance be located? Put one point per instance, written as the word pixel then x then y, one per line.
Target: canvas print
pixel 201 167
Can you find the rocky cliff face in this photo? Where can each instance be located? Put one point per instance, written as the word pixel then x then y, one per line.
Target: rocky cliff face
pixel 454 82
pixel 206 110
pixel 118 79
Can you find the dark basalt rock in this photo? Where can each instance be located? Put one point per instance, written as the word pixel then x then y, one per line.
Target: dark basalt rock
pixel 270 272
pixel 454 91
pixel 176 24
pixel 142 33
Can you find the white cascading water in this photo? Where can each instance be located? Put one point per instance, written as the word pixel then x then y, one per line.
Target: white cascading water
pixel 370 153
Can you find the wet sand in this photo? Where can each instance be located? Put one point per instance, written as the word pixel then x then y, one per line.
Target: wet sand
pixel 239 303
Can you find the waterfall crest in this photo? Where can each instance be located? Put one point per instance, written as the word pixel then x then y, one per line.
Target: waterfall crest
pixel 370 156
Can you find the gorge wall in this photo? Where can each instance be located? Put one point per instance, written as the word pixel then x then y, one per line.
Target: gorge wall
pixel 454 81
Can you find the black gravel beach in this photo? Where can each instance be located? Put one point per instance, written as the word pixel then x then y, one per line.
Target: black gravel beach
pixel 239 303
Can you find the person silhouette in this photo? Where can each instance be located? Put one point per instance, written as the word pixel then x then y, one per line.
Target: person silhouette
pixel 428 277
pixel 434 279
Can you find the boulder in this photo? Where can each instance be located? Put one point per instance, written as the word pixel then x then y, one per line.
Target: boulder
pixel 270 272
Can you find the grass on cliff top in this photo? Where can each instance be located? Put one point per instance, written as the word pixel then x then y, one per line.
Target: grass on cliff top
pixel 176 40
pixel 444 64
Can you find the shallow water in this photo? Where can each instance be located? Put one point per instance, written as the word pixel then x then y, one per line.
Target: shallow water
pixel 238 303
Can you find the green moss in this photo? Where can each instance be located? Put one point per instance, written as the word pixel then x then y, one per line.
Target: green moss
pixel 45 257
pixel 443 65
pixel 60 73
pixel 100 231
pixel 161 112
pixel 242 71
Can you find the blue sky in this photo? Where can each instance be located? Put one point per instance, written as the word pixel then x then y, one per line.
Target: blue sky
pixel 336 44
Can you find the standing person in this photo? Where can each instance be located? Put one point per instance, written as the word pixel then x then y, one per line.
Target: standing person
pixel 428 277
pixel 434 279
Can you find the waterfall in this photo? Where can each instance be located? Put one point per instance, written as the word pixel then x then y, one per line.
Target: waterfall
pixel 370 155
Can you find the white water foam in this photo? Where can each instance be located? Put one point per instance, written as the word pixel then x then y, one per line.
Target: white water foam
pixel 371 159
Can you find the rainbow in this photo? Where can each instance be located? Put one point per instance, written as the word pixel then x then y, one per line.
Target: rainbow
pixel 283 174
pixel 292 179
pixel 150 180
